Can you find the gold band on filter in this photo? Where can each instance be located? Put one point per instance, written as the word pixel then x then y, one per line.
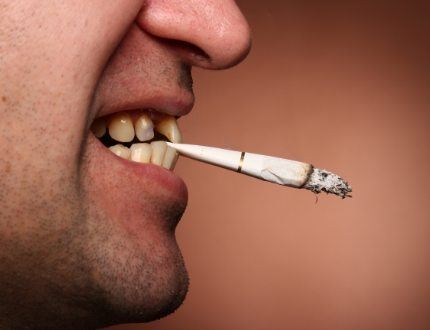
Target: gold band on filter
pixel 242 156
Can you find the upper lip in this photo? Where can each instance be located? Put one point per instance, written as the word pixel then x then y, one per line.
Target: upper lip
pixel 176 103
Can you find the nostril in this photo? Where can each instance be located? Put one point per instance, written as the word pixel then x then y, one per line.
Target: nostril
pixel 190 53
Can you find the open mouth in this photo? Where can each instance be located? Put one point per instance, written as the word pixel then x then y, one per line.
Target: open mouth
pixel 140 136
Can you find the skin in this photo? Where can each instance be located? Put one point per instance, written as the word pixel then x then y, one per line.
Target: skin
pixel 87 240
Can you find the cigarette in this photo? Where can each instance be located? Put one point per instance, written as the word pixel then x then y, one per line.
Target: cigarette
pixel 282 171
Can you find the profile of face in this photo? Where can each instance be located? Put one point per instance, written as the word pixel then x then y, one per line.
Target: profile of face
pixel 87 237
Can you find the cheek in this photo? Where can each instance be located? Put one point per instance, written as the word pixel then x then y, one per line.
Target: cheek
pixel 55 55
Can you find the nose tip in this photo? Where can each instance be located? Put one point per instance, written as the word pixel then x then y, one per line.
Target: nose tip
pixel 229 43
pixel 216 27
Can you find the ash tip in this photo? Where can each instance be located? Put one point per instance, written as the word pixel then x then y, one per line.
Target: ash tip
pixel 330 183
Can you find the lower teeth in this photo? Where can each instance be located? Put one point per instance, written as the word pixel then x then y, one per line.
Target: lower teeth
pixel 157 153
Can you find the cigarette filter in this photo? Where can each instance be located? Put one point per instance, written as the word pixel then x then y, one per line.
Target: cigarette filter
pixel 273 169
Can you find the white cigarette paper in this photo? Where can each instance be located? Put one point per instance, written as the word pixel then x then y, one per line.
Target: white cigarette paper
pixel 273 169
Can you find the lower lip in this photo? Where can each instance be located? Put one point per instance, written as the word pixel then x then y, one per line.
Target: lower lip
pixel 172 184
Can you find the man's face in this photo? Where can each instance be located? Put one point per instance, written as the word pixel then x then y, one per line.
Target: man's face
pixel 87 238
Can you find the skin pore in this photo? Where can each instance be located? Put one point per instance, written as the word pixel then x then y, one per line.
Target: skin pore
pixel 87 240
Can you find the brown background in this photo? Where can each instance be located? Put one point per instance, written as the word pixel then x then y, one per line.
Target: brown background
pixel 346 86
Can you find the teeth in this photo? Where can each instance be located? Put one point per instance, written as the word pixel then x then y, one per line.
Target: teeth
pixel 144 128
pixel 121 128
pixel 99 127
pixel 141 152
pixel 158 152
pixel 169 128
pixel 121 151
pixel 170 158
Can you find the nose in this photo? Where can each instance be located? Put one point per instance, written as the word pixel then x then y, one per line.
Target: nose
pixel 211 34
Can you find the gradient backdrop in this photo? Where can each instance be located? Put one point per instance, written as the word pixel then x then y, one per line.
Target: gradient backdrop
pixel 344 85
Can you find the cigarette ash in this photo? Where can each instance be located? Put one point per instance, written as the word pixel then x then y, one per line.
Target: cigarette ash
pixel 330 183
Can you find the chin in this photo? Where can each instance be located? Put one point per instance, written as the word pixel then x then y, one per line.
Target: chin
pixel 161 299
pixel 139 288
pixel 137 273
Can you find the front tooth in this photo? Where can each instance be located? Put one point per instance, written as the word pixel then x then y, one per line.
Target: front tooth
pixel 144 128
pixel 121 151
pixel 121 128
pixel 170 158
pixel 169 128
pixel 99 127
pixel 158 152
pixel 141 152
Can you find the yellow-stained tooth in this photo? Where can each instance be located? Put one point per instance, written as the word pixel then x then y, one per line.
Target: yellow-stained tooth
pixel 121 151
pixel 144 128
pixel 121 128
pixel 141 152
pixel 158 152
pixel 170 158
pixel 169 128
pixel 99 127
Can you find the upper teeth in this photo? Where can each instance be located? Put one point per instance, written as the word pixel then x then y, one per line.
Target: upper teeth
pixel 122 129
pixel 144 128
pixel 99 127
pixel 169 128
